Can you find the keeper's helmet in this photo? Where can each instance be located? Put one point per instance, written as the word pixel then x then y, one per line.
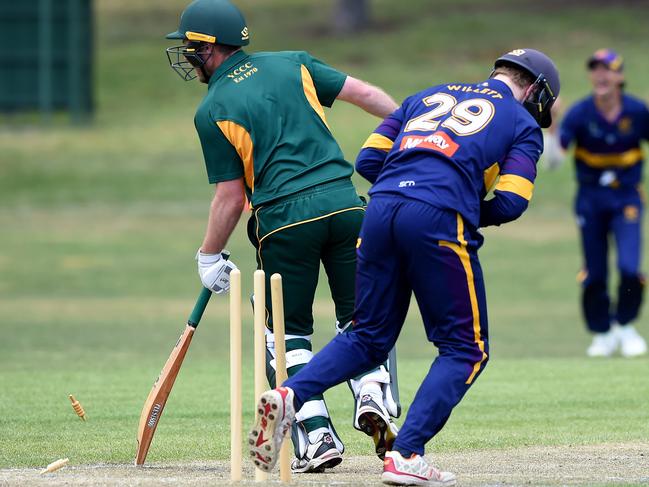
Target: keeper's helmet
pixel 546 84
pixel 205 21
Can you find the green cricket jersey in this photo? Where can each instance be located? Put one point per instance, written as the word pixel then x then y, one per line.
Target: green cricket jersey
pixel 262 118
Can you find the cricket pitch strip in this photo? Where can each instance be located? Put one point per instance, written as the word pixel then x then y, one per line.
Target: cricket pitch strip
pixel 606 464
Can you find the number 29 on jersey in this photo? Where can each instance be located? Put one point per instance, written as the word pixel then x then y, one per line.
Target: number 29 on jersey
pixel 465 118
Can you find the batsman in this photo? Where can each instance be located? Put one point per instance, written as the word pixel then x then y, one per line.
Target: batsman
pixel 266 140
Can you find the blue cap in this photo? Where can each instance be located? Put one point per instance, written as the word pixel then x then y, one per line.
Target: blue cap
pixel 607 57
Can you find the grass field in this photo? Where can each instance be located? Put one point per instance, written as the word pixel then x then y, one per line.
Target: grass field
pixel 99 226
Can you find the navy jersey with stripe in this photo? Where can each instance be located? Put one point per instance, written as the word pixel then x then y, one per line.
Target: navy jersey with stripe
pixel 450 144
pixel 607 153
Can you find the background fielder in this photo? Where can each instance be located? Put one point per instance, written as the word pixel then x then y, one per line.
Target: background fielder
pixel 264 135
pixel 607 128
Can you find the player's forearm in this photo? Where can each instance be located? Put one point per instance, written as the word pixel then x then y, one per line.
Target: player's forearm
pixel 513 191
pixel 225 211
pixel 502 208
pixel 369 163
pixel 368 97
pixel 376 148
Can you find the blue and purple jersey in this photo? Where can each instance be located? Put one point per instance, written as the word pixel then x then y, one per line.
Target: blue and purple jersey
pixel 607 153
pixel 451 144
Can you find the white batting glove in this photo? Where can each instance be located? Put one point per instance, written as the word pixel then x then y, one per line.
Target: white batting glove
pixel 214 270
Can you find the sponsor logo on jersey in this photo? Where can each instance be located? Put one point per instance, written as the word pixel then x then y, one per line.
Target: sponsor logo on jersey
pixel 594 130
pixel 438 141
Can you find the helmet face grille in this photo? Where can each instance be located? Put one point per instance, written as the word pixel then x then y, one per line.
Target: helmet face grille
pixel 184 59
pixel 540 101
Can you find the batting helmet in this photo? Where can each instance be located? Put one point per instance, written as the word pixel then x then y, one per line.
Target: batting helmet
pixel 213 21
pixel 546 75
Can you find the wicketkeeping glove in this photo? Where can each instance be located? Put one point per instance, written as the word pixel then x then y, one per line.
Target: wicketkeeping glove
pixel 214 270
pixel 553 154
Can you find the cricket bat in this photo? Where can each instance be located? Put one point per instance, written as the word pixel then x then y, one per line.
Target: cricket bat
pixel 159 394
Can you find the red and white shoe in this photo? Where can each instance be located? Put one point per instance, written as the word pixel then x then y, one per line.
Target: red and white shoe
pixel 413 471
pixel 275 415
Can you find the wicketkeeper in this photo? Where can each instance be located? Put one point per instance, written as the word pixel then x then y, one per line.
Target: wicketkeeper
pixel 432 163
pixel 265 138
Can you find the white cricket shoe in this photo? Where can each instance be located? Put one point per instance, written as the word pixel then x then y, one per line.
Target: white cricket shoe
pixel 631 342
pixel 275 415
pixel 603 344
pixel 413 471
pixel 373 420
pixel 320 454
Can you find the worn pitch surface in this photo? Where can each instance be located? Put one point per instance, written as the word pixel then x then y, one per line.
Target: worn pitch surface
pixel 622 463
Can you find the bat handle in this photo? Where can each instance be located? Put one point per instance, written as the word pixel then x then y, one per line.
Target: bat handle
pixel 199 308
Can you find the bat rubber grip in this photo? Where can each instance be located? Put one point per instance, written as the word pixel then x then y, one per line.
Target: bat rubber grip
pixel 199 308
